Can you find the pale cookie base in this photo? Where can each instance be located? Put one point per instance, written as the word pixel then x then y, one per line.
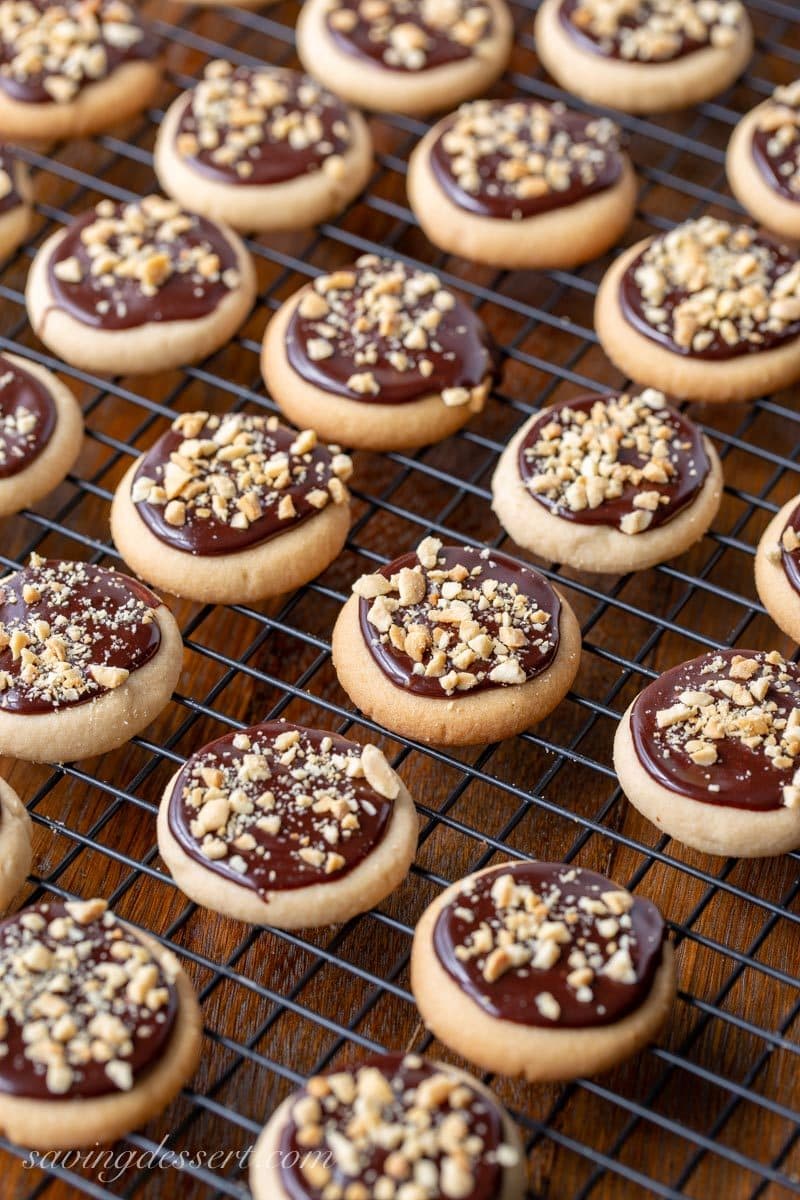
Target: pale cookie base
pixel 749 186
pixel 16 222
pixel 637 87
pixel 562 238
pixel 108 721
pixel 774 589
pixel 355 423
pixel 458 720
pixel 98 106
pixel 266 1177
pixel 601 548
pixel 72 1124
pixel 412 93
pixel 15 844
pixel 539 1054
pixel 651 364
pixel 57 458
pixel 305 907
pixel 295 204
pixel 272 568
pixel 154 346
pixel 712 828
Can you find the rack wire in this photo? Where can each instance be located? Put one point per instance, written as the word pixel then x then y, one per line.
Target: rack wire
pixel 712 1110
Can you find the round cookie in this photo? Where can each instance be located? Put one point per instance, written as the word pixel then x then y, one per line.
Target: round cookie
pixel 287 826
pixel 232 509
pixel 15 844
pixel 763 162
pixel 70 68
pixel 88 659
pixel 359 1130
pixel 645 56
pixel 610 484
pixel 455 646
pixel 707 753
pixel 263 149
pixel 521 184
pixel 100 1026
pixel 407 56
pixel 16 197
pixel 502 970
pixel 709 311
pixel 777 569
pixel 133 288
pixel 379 356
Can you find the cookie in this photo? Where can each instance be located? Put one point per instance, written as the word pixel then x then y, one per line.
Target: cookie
pixel 100 1026
pixel 455 646
pixel 287 826
pixel 72 68
pixel 15 844
pixel 16 196
pixel 644 56
pixel 777 569
pixel 521 184
pixel 88 659
pixel 543 970
pixel 390 1126
pixel 709 311
pixel 707 753
pixel 763 162
pixel 407 56
pixel 232 509
pixel 608 483
pixel 379 356
pixel 132 288
pixel 262 148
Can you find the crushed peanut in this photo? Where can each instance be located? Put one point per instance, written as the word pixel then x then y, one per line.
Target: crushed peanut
pixel 655 31
pixel 27 418
pixel 779 128
pixel 412 35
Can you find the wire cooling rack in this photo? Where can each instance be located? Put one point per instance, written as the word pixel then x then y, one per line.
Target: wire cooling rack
pixel 712 1110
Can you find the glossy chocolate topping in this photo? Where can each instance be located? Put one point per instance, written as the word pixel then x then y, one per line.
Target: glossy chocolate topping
pixel 27 418
pixel 453 620
pixel 650 31
pixel 71 632
pixel 628 461
pixel 85 1008
pixel 394 1118
pixel 724 729
pixel 550 945
pixel 713 291
pixel 511 159
pixel 409 35
pixel 279 806
pixel 775 144
pixel 120 266
pixel 386 333
pixel 262 126
pixel 217 485
pixel 788 553
pixel 9 179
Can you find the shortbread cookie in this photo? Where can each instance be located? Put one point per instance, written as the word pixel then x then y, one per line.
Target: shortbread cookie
pixel 709 753
pixel 390 1126
pixel 262 148
pixel 709 311
pixel 543 970
pixel 456 646
pixel 15 844
pixel 132 288
pixel 232 509
pixel 518 183
pixel 287 826
pixel 72 68
pixel 608 483
pixel 778 569
pixel 763 162
pixel 644 56
pixel 379 356
pixel 16 195
pixel 100 1026
pixel 407 56
pixel 89 658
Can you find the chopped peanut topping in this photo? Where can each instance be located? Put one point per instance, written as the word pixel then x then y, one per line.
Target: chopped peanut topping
pixel 405 33
pixel 657 30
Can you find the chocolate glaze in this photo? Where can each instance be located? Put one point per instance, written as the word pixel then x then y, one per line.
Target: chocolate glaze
pixel 491 201
pixel 743 778
pixel 150 1031
pixel 791 558
pixel 610 47
pixel 20 390
pixel 110 606
pixel 361 42
pixel 777 169
pixel 512 997
pixel 9 164
pixel 483 1117
pixel 273 865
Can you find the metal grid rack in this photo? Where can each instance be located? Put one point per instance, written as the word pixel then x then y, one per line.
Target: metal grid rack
pixel 712 1110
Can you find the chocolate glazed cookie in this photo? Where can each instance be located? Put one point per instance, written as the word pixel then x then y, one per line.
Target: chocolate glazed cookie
pixel 777 568
pixel 763 162
pixel 16 196
pixel 15 844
